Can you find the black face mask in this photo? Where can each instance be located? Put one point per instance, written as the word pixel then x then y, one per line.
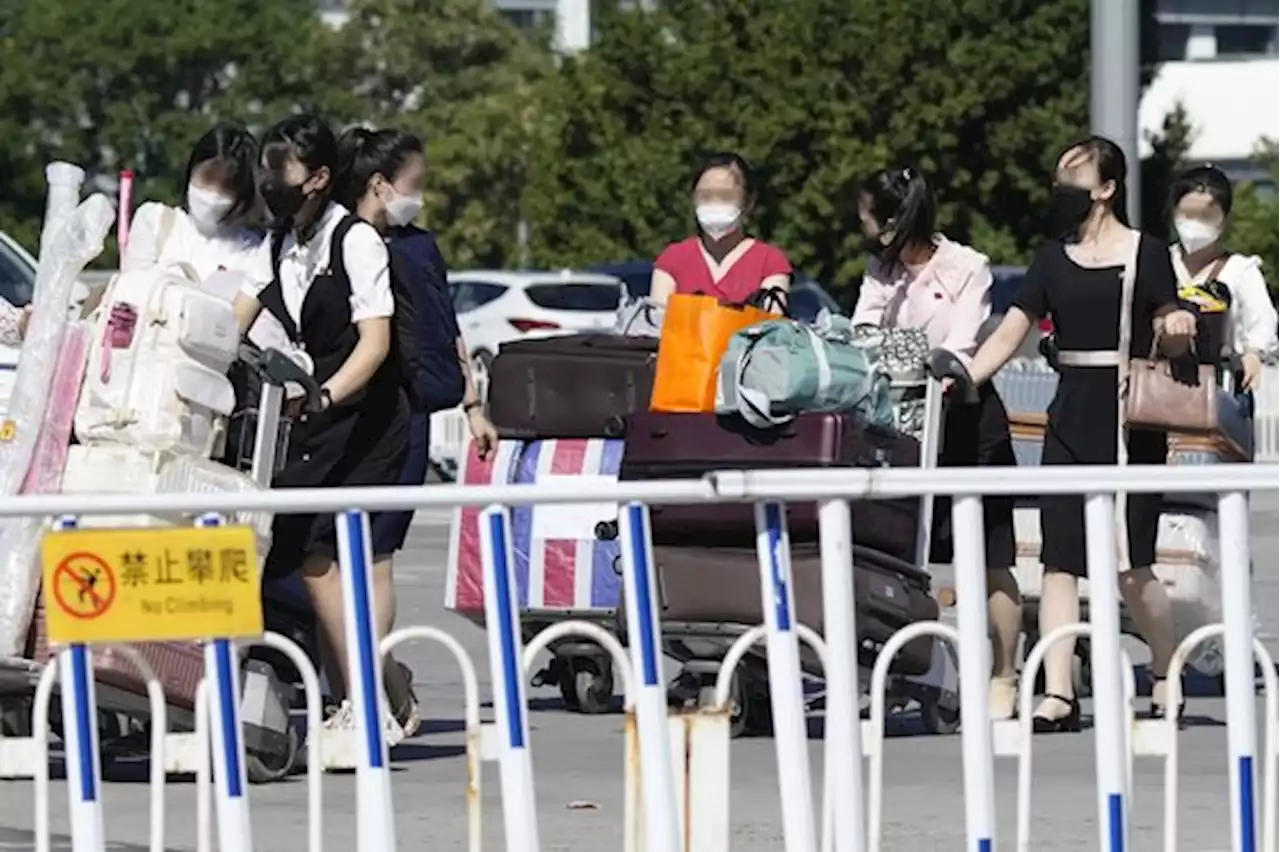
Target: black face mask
pixel 283 200
pixel 1069 206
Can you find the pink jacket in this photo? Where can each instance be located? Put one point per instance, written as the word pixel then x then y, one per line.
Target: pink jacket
pixel 950 297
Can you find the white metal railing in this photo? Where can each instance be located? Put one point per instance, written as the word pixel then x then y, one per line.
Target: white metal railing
pixel 658 814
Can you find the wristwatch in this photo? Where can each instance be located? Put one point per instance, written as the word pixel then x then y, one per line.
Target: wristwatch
pixel 471 406
pixel 326 397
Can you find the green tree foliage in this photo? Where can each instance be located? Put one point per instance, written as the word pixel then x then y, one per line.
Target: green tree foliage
pixel 818 94
pixel 457 74
pixel 1161 168
pixel 113 84
pixel 1256 214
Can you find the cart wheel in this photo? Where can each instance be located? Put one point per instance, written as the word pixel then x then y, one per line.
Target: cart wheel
pixel 266 768
pixel 586 685
pixel 938 718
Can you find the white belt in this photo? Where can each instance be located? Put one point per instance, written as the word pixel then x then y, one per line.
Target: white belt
pixel 1097 358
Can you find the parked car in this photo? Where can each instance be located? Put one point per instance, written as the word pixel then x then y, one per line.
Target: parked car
pixel 497 306
pixel 17 286
pixel 808 297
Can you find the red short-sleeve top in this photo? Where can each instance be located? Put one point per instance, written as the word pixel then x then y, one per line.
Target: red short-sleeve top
pixel 695 271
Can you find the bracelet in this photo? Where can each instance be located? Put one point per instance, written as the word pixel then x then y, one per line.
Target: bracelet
pixel 327 396
pixel 471 406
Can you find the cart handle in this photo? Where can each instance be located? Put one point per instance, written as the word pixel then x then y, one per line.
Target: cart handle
pixel 277 368
pixel 945 364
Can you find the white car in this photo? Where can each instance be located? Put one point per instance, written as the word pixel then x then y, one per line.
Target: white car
pixel 498 306
pixel 17 284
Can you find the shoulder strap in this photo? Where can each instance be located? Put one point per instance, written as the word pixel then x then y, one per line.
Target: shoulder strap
pixel 272 296
pixel 337 260
pixel 167 218
pixel 1127 287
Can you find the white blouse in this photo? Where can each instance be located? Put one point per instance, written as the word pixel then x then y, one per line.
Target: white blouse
pixel 1253 316
pixel 364 255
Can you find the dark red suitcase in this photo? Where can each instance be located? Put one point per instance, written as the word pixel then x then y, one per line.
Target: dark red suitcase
pixel 579 386
pixel 662 445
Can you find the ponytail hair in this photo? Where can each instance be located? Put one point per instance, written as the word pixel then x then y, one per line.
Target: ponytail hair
pixel 364 153
pixel 901 201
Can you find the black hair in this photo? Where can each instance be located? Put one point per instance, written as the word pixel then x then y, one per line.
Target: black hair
pixel 363 153
pixel 901 201
pixel 235 151
pixel 1208 179
pixel 1112 165
pixel 734 162
pixel 303 136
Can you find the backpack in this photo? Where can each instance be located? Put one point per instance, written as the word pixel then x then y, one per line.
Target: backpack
pixel 156 377
pixel 426 326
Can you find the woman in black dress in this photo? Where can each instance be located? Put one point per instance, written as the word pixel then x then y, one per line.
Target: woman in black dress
pixel 917 278
pixel 331 290
pixel 1077 279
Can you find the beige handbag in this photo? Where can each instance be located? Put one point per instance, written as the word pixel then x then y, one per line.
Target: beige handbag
pixel 1152 397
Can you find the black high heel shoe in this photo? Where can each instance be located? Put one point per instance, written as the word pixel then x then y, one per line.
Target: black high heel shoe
pixel 1068 724
pixel 1158 709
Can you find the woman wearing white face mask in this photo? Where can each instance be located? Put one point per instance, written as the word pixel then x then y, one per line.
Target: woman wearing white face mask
pixel 721 261
pixel 1201 201
pixel 211 232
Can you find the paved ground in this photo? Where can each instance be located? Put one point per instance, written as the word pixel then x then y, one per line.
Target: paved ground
pixel 578 760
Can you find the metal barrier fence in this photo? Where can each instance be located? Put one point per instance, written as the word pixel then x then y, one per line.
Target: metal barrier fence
pixel 683 805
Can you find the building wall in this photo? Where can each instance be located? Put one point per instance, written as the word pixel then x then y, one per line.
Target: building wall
pixel 1217 29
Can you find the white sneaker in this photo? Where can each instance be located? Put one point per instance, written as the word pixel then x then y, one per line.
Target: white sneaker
pixel 343 718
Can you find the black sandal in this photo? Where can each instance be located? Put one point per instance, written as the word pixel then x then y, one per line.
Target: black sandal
pixel 1158 709
pixel 1068 724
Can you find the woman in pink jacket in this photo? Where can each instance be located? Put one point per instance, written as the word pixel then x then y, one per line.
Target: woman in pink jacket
pixel 917 278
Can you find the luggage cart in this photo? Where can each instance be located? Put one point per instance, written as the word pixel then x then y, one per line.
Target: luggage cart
pixel 271 742
pixel 700 646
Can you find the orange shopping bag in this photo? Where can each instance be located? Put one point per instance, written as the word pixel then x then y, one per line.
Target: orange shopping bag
pixel 695 334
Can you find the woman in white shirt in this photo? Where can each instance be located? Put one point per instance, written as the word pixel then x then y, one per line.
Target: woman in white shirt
pixel 330 289
pixel 1201 199
pixel 210 232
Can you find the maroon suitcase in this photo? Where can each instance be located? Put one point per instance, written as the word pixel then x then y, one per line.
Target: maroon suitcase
pixel 579 386
pixel 721 585
pixel 179 666
pixel 663 445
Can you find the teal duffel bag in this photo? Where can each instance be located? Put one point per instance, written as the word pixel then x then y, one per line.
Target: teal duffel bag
pixel 777 369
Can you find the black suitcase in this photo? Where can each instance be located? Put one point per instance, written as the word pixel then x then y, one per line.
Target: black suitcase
pixel 721 585
pixel 579 386
pixel 663 445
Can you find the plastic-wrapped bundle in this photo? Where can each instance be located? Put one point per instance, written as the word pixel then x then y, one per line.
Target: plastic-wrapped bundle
pixel 79 239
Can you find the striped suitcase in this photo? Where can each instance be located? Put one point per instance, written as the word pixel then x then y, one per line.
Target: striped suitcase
pixel 560 568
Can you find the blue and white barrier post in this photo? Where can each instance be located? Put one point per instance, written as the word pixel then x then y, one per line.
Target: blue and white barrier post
pixel 1109 711
pixel 1237 646
pixel 969 554
pixel 502 627
pixel 230 778
pixel 644 638
pixel 375 816
pixel 786 689
pixel 80 733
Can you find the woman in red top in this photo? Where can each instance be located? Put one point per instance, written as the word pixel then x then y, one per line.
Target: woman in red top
pixel 721 261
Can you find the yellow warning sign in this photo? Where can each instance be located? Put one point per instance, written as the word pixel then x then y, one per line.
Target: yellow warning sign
pixel 145 585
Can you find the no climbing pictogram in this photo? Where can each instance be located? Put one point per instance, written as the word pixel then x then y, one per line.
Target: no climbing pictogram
pixel 84 586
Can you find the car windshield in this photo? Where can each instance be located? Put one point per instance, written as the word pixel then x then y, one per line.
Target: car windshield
pixel 17 280
pixel 575 296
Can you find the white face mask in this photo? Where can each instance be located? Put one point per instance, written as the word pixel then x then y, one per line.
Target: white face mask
pixel 207 208
pixel 718 219
pixel 1195 235
pixel 403 209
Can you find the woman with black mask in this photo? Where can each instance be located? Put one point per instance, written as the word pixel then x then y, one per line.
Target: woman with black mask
pixel 1078 279
pixel 331 290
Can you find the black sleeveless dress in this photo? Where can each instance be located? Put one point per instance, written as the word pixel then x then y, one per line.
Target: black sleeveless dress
pixel 361 441
pixel 1084 303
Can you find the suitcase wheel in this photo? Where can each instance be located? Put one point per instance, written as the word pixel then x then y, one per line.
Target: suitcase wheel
pixel 615 427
